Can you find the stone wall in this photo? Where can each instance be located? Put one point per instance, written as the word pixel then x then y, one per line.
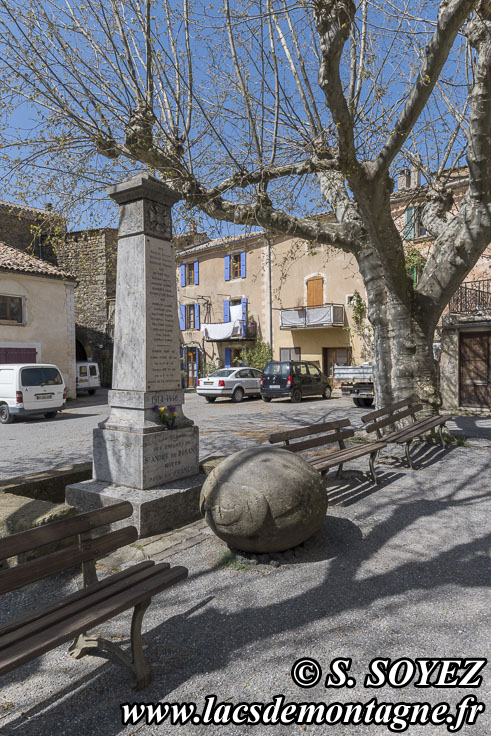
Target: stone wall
pixel 91 256
pixel 36 232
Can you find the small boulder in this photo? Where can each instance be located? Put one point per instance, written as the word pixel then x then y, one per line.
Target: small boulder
pixel 264 499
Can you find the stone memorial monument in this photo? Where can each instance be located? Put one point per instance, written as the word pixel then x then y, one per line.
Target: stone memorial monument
pixel 136 457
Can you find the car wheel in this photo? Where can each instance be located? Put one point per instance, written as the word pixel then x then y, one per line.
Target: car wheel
pixel 267 399
pixel 91 391
pixel 365 402
pixel 238 395
pixel 357 402
pixel 296 396
pixel 210 399
pixel 50 414
pixel 5 416
pixel 326 394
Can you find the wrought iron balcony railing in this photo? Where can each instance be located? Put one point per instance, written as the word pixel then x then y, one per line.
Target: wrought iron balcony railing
pixel 326 315
pixel 472 297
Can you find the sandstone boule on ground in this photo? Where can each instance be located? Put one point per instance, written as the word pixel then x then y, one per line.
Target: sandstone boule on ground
pixel 264 499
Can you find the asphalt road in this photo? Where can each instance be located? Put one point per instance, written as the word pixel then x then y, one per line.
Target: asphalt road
pixel 36 444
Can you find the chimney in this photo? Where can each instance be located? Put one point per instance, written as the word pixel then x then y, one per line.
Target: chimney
pixel 415 178
pixel 404 179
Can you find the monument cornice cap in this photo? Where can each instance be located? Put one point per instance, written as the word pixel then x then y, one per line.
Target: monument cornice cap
pixel 143 186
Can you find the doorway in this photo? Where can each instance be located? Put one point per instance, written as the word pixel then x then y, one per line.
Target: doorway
pixel 475 369
pixel 334 356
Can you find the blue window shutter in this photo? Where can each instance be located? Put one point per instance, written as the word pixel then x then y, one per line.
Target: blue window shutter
pixel 196 272
pixel 226 310
pixel 228 357
pixel 243 265
pixel 182 317
pixel 183 274
pixel 181 355
pixel 244 315
pixel 227 268
pixel 196 316
pixel 410 223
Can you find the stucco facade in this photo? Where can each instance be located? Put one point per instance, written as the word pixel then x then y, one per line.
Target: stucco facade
pixel 265 278
pixel 47 324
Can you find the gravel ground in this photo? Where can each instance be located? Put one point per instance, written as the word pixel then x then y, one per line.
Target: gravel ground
pixel 396 571
pixel 36 444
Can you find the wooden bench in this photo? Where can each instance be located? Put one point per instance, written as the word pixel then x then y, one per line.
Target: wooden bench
pixel 330 433
pixel 391 416
pixel 72 616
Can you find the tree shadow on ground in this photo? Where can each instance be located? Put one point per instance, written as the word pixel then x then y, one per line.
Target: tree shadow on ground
pixel 205 638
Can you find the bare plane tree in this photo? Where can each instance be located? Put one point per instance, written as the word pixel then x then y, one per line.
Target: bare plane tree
pixel 248 110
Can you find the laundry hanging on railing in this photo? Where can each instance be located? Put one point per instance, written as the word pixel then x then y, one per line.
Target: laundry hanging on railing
pixel 222 330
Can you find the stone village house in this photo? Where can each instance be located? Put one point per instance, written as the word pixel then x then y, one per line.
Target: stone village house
pixel 37 318
pixel 304 302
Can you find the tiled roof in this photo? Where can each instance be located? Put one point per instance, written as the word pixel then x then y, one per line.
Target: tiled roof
pixel 12 259
pixel 26 210
pixel 218 242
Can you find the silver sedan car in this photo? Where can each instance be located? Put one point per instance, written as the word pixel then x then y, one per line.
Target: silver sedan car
pixel 234 383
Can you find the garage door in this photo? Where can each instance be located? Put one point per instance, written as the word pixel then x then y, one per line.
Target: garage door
pixel 475 369
pixel 17 355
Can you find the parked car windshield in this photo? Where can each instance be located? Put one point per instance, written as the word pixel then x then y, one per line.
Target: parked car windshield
pixel 41 377
pixel 223 372
pixel 277 369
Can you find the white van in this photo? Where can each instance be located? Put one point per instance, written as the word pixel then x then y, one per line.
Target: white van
pixel 30 388
pixel 88 378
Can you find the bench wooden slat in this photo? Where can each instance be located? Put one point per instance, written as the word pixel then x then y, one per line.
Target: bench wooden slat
pixel 319 441
pixel 421 427
pixel 393 418
pixel 336 458
pixel 97 594
pixel 29 572
pixel 57 530
pixel 392 407
pixel 39 643
pixel 59 604
pixel 305 431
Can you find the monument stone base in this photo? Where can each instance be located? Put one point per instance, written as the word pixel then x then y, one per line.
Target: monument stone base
pixel 155 510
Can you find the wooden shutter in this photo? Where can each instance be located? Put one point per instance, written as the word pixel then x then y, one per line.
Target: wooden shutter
pixel 226 310
pixel 196 272
pixel 196 316
pixel 183 274
pixel 182 317
pixel 315 296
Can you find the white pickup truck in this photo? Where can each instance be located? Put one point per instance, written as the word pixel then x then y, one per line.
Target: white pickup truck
pixel 357 382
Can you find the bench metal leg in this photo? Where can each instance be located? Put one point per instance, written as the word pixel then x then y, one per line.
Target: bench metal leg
pixel 339 472
pixel 408 456
pixel 142 668
pixel 97 646
pixel 440 434
pixel 372 461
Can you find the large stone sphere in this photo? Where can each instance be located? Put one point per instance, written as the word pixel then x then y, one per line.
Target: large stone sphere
pixel 264 499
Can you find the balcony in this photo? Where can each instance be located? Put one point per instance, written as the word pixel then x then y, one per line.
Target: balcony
pixel 235 331
pixel 327 315
pixel 472 297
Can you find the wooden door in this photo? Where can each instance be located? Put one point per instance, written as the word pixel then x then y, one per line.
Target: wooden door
pixel 315 297
pixel 191 367
pixel 475 369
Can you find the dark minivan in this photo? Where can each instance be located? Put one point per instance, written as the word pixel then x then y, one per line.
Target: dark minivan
pixel 293 378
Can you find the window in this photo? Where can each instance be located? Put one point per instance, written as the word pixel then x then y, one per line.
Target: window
pixel 235 266
pixel 83 370
pixel 93 370
pixel 289 353
pixel 301 370
pixel 11 309
pixel 189 273
pixel 313 370
pixel 315 288
pixel 414 227
pixel 41 377
pixel 189 316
